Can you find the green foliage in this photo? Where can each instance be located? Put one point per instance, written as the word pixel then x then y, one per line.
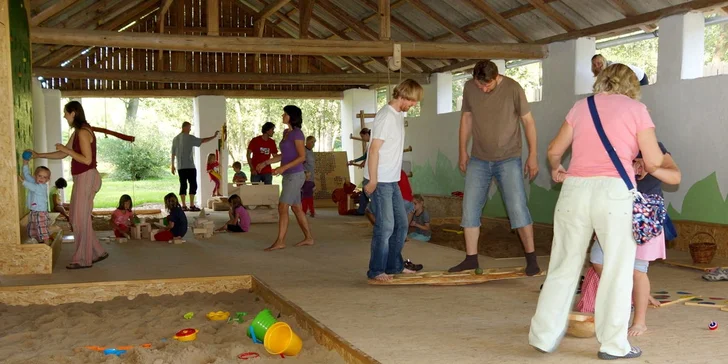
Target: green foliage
pixel 716 43
pixel 642 54
pixel 140 160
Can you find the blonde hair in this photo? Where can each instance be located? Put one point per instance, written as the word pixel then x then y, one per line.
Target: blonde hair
pixel 618 79
pixel 409 89
pixel 417 197
pixel 211 158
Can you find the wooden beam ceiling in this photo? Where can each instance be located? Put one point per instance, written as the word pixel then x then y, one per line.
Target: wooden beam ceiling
pixel 627 10
pixel 285 46
pixel 213 17
pixel 452 28
pixel 251 94
pixel 554 15
pixel 385 15
pixel 163 15
pixel 645 18
pixel 499 20
pixel 225 78
pixel 266 12
pixel 304 18
pixel 50 11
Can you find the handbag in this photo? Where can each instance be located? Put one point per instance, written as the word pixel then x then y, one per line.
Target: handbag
pixel 648 211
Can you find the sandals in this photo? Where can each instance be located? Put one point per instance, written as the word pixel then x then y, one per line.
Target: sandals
pixel 77 266
pixel 185 208
pixel 194 208
pixel 412 266
pixel 719 274
pixel 100 258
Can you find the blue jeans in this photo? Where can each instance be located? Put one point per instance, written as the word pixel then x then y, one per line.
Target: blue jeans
pixel 509 177
pixel 390 230
pixel 265 178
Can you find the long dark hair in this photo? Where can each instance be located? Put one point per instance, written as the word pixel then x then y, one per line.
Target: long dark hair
pixel 235 202
pixel 79 118
pixel 171 202
pixel 123 200
pixel 295 115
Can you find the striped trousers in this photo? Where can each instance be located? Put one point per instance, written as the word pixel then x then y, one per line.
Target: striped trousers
pixel 85 187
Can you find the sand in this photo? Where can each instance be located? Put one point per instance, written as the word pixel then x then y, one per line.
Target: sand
pixel 59 334
pixel 496 242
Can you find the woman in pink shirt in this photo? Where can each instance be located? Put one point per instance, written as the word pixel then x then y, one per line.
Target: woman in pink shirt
pixel 595 198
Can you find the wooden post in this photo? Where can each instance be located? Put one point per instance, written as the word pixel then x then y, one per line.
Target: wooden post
pixel 385 27
pixel 213 17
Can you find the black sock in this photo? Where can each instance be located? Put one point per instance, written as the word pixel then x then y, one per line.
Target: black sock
pixel 532 264
pixel 470 262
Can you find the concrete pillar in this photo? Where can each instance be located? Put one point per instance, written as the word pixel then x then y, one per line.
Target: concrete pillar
pixel 355 100
pixel 39 126
pixel 438 95
pixel 567 70
pixel 681 47
pixel 209 116
pixel 53 111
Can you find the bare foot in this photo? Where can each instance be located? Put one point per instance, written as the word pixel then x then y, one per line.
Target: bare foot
pixel 305 242
pixel 408 271
pixel 383 277
pixel 276 246
pixel 637 330
pixel 653 302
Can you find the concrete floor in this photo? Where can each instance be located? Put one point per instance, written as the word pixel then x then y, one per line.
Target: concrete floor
pixel 412 324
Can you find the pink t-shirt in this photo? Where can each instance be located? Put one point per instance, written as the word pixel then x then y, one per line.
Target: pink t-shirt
pixel 122 217
pixel 244 218
pixel 653 249
pixel 622 118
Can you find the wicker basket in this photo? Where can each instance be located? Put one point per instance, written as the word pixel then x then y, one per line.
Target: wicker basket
pixel 702 251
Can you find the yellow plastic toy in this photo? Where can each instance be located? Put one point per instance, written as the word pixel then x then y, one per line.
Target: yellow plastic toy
pixel 186 335
pixel 218 316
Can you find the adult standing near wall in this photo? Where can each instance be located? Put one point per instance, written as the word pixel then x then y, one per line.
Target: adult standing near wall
pixel 599 63
pixel 493 108
pixel 182 150
pixel 81 147
pixel 310 166
pixel 293 154
pixel 260 150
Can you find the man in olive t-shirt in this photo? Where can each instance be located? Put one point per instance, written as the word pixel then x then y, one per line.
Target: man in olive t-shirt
pixel 493 108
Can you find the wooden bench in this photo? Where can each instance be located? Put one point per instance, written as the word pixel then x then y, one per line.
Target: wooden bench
pixel 54 250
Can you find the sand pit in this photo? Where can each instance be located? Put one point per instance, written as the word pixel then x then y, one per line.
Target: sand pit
pixel 496 240
pixel 59 334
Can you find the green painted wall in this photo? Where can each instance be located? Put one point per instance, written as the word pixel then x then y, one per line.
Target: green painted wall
pixel 22 93
pixel 703 201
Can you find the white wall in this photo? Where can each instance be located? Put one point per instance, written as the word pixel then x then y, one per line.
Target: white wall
pixel 209 116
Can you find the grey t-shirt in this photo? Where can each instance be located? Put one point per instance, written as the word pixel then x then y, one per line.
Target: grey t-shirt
pixel 182 146
pixel 422 219
pixel 310 163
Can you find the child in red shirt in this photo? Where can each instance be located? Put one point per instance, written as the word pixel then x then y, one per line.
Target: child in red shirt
pixel 122 219
pixel 212 165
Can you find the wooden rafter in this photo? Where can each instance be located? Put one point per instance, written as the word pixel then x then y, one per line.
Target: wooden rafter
pixel 213 17
pixel 305 8
pixel 554 15
pixel 311 47
pixel 645 18
pixel 499 21
pixel 225 78
pixel 163 14
pixel 257 94
pixel 394 5
pixel 385 15
pixel 627 10
pixel 452 28
pixel 266 12
pixel 484 22
pixel 50 11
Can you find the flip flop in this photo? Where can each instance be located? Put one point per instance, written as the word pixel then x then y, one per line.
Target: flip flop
pixel 100 258
pixel 194 208
pixel 77 266
pixel 185 208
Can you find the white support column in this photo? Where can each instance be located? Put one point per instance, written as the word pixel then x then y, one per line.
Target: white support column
pixel 681 47
pixel 53 131
pixel 209 116
pixel 437 95
pixel 354 101
pixel 39 126
pixel 567 70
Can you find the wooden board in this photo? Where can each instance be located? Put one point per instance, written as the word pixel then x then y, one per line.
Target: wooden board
pixel 688 263
pixel 442 278
pixel 667 298
pixel 331 172
pixel 711 302
pixel 137 212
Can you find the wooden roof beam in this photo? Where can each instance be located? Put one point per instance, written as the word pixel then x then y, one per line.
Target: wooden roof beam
pixel 311 47
pixel 225 78
pixel 645 18
pixel 554 15
pixel 499 21
pixel 266 12
pixel 163 14
pixel 253 94
pixel 305 8
pixel 385 16
pixel 627 10
pixel 452 28
pixel 50 11
pixel 213 17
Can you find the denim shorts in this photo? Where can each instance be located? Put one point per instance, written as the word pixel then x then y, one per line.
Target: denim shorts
pixel 597 257
pixel 409 207
pixel 508 175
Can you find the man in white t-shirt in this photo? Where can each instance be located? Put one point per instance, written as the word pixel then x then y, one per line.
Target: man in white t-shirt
pixel 599 63
pixel 381 177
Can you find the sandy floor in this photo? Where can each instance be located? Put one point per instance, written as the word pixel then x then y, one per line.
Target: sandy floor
pixel 60 334
pixel 496 242
pixel 401 325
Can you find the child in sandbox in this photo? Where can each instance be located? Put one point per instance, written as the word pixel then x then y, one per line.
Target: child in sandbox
pixel 122 219
pixel 37 202
pixel 239 218
pixel 420 220
pixel 176 221
pixel 57 204
pixel 212 171
pixel 654 249
pixel 239 177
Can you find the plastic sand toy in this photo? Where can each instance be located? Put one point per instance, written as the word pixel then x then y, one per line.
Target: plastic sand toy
pixel 186 335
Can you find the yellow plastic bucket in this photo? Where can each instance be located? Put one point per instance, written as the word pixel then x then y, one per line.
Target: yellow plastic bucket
pixel 280 339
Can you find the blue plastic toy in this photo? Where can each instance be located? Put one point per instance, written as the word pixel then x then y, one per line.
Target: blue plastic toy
pixel 112 351
pixel 27 155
